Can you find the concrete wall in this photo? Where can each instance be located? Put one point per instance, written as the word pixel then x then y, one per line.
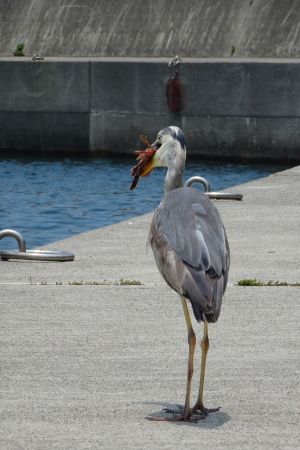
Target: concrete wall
pixel 247 109
pixel 156 28
pixel 85 97
pixel 45 106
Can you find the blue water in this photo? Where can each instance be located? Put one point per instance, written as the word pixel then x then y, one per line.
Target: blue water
pixel 47 199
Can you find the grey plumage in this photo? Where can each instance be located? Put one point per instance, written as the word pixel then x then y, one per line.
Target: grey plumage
pixel 191 250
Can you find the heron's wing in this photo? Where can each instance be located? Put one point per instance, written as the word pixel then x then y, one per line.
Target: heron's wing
pixel 194 230
pixel 191 250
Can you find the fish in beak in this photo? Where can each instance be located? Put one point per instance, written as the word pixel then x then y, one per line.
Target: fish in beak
pixel 147 162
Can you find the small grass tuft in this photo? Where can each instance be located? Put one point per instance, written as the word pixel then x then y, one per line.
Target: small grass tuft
pixel 128 282
pixel 121 282
pixel 89 283
pixel 255 282
pixel 19 50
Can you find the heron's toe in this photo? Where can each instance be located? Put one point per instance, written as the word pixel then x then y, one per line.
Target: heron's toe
pixel 179 418
pixel 201 409
pixel 179 415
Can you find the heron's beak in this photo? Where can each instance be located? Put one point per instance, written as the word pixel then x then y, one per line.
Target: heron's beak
pixel 146 164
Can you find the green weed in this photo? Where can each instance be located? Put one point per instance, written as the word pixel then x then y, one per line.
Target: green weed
pixel 255 282
pixel 19 50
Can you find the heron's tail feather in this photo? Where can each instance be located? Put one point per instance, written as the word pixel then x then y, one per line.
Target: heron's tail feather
pixel 205 294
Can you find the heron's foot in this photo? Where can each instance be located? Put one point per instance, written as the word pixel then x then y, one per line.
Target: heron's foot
pixel 179 415
pixel 179 418
pixel 198 409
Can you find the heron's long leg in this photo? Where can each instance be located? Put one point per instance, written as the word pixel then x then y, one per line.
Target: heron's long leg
pixel 192 344
pixel 204 346
pixel 186 413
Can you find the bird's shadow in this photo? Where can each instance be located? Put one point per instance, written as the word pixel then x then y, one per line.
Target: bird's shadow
pixel 213 420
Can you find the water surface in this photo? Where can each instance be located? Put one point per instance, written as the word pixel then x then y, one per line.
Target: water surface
pixel 48 198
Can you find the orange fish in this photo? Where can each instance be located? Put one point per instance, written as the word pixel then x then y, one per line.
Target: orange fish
pixel 145 166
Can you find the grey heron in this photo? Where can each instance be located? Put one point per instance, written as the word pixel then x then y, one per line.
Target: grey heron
pixel 190 249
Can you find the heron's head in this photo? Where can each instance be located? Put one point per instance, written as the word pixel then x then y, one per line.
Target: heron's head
pixel 168 149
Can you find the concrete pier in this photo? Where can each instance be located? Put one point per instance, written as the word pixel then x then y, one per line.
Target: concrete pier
pixel 103 79
pixel 246 109
pixel 84 362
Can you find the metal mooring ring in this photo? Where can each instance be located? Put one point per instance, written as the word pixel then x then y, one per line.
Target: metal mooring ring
pixel 215 195
pixel 38 255
pixel 17 236
pixel 176 61
pixel 224 195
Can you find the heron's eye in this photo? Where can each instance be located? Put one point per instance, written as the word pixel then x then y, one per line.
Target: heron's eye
pixel 159 138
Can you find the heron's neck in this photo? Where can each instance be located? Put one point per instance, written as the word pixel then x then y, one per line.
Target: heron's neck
pixel 174 177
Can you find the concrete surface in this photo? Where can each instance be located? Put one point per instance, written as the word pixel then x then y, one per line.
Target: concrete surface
pixel 83 365
pixel 166 28
pixel 247 109
pixel 231 109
